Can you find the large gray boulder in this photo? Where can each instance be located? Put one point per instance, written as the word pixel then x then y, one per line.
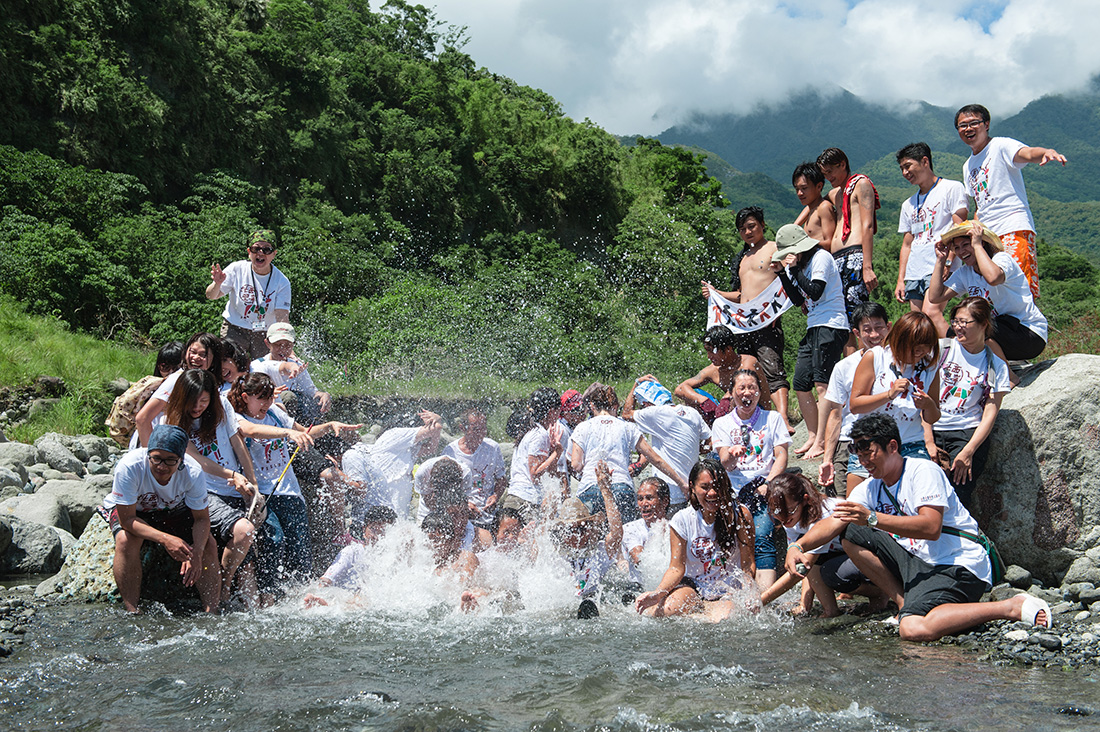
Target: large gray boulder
pixel 34 549
pixel 79 497
pixel 1038 496
pixel 5 535
pixel 16 456
pixel 39 509
pixel 10 479
pixel 57 455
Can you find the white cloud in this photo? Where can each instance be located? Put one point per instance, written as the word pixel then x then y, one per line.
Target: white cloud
pixel 639 66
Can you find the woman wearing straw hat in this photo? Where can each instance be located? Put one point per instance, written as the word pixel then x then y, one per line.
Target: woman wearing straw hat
pixel 986 271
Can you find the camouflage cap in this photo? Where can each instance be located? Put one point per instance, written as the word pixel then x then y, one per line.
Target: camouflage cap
pixel 266 236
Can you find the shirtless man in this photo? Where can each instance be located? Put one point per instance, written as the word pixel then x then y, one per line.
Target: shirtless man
pixel 855 201
pixel 752 276
pixel 817 218
pixel 721 346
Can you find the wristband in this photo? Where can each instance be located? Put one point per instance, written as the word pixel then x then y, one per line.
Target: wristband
pixel 796 544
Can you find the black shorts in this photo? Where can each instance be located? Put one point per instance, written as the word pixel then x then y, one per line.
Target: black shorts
pixel 766 346
pixel 820 350
pixel 952 442
pixel 849 263
pixel 925 586
pixel 177 521
pixel 225 512
pixel 1019 342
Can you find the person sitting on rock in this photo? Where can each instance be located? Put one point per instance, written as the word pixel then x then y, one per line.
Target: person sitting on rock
pixel 908 533
pixel 159 495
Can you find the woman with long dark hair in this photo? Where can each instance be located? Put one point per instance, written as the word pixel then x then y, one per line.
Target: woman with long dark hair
pixel 711 548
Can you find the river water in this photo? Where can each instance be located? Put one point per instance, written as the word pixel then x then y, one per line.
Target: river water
pixel 408 659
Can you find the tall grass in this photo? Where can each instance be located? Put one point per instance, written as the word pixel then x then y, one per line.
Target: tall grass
pixel 34 346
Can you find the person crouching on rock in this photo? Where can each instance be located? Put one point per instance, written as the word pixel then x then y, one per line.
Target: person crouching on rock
pixel 159 495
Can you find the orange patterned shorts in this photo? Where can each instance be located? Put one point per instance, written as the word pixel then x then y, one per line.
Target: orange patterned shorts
pixel 1021 246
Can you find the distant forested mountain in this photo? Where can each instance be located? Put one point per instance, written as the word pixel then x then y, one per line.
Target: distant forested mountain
pixel 774 139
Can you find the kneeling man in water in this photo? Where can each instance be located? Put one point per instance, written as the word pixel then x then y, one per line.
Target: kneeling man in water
pixel 906 531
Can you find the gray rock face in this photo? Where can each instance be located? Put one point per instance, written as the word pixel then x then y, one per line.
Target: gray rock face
pixel 5 535
pixel 79 497
pixel 17 453
pixel 58 456
pixel 1017 577
pixel 1083 569
pixel 34 549
pixel 1037 497
pixel 39 509
pixel 9 478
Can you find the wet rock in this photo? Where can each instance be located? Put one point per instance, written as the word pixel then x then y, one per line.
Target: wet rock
pixel 1061 608
pixel 39 509
pixel 1018 577
pixel 67 541
pixel 1049 641
pixel 1073 591
pixel 34 549
pixel 1051 596
pixel 79 497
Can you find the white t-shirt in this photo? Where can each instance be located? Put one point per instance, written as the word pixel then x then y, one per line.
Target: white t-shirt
pixel 764 429
pixel 714 574
pixel 165 389
pixel 386 466
pixel 964 376
pixel 923 483
pixel 244 309
pixel 346 569
pixel 636 534
pixel 828 310
pixel 423 483
pixel 269 457
pixel 566 446
pixel 609 439
pixel 536 443
pixel 996 184
pixel 839 391
pixel 135 485
pixel 220 450
pixel 676 433
pixel 902 408
pixel 828 505
pixel 485 465
pixel 302 383
pixel 1011 297
pixel 926 218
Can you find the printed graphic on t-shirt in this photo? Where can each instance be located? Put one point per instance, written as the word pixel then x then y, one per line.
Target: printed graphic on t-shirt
pixel 704 549
pixel 248 297
pixel 210 451
pixel 978 183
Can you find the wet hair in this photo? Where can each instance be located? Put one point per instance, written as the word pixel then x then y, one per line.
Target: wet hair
pixel 878 428
pixel 912 330
pixel 727 523
pixel 868 311
pixel 465 417
pixel 748 372
pixel 749 212
pixel 834 156
pixel 915 151
pixel 170 355
pixel 542 401
pixel 379 515
pixel 719 337
pixel 232 352
pixel 810 171
pixel 601 397
pixel 438 522
pixel 185 395
pixel 664 494
pixel 213 346
pixel 980 310
pixel 972 109
pixel 445 481
pixel 798 488
pixel 503 513
pixel 257 385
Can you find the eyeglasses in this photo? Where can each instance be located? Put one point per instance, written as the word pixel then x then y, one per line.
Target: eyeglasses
pixel 261 250
pixel 956 322
pixel 969 125
pixel 862 445
pixel 170 462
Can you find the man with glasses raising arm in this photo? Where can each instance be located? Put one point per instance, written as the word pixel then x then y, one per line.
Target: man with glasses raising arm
pixel 259 294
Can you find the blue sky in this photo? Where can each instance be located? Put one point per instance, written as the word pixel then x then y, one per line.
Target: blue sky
pixel 640 66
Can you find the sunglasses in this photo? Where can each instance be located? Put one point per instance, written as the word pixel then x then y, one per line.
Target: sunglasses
pixel 261 250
